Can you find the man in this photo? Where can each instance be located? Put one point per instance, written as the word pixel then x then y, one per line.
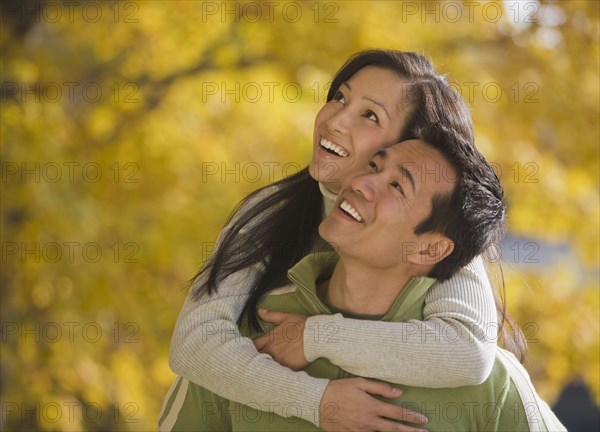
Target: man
pixel 420 211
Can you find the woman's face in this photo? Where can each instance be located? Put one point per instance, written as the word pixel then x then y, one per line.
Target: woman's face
pixel 366 115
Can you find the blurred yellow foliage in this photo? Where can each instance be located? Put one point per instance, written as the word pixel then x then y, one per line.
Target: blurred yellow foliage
pixel 129 131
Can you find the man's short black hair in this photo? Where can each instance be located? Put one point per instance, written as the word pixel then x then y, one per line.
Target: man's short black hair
pixel 472 215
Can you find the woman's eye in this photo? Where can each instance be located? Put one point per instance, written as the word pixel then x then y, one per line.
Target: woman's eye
pixel 372 116
pixel 373 165
pixel 339 96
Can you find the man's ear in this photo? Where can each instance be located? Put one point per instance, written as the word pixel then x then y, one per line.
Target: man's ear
pixel 432 249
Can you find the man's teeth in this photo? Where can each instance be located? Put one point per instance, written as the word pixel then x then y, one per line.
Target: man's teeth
pixel 333 147
pixel 350 210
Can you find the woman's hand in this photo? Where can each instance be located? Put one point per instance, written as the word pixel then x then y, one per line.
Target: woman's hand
pixel 285 343
pixel 347 405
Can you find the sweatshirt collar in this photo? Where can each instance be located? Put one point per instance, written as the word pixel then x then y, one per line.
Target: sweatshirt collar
pixel 319 265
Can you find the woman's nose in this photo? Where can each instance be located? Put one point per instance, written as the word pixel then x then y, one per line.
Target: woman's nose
pixel 339 122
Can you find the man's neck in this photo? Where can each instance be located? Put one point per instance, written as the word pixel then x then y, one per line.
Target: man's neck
pixel 361 289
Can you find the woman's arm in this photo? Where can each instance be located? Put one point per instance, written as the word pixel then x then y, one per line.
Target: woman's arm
pixel 207 349
pixel 453 346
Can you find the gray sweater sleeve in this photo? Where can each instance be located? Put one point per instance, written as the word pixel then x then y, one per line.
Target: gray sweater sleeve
pixel 207 349
pixel 453 346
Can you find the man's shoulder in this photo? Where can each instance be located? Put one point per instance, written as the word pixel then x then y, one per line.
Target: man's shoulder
pixel 287 289
pixel 281 299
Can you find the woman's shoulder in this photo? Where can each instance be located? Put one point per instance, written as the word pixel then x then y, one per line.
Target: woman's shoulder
pixel 255 204
pixel 260 195
pixel 268 200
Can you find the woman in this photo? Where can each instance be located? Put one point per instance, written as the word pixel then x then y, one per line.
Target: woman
pixel 377 98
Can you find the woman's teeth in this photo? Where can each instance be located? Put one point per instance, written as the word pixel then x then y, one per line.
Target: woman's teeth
pixel 350 210
pixel 333 148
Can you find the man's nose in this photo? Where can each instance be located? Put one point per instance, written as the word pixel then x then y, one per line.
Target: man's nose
pixel 365 185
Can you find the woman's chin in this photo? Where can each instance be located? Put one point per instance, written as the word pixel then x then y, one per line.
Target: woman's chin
pixel 313 170
pixel 326 172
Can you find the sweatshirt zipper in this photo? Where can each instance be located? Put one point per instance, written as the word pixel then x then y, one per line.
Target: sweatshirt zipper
pixel 316 300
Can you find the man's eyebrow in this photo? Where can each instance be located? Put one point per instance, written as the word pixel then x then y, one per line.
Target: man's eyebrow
pixel 381 153
pixel 406 172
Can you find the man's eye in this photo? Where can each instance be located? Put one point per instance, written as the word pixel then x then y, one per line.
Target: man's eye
pixel 372 116
pixel 373 165
pixel 397 186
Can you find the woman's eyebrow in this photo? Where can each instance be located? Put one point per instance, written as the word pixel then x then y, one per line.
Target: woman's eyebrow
pixel 379 104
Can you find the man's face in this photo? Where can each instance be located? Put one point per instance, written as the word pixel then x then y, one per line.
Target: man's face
pixel 378 209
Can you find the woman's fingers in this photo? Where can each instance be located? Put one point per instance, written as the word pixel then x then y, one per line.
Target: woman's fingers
pixel 349 405
pixel 261 342
pixel 383 425
pixel 389 410
pixel 401 414
pixel 379 388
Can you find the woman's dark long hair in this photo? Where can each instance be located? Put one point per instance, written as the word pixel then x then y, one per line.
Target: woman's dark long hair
pixel 273 227
pixel 276 226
